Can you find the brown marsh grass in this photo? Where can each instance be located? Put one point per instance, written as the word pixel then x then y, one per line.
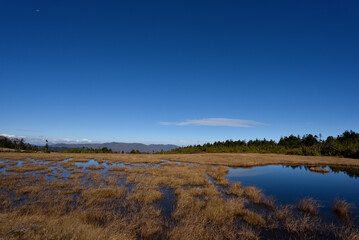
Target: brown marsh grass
pixel 123 203
pixel 93 167
pixel 342 208
pixel 236 189
pixel 219 159
pixel 26 169
pixel 219 175
pixel 145 194
pixel 254 194
pixel 309 205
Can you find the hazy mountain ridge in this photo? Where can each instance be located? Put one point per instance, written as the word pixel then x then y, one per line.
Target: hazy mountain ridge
pixel 114 146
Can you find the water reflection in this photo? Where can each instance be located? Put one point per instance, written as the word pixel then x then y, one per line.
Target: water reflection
pixel 350 171
pixel 289 184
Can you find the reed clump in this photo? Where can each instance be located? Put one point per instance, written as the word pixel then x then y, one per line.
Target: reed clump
pixel 236 189
pixel 59 184
pixel 248 233
pixel 145 194
pixel 26 169
pixel 94 167
pixel 252 218
pixel 96 196
pixel 29 190
pixel 219 175
pixel 309 205
pixel 254 194
pixel 342 208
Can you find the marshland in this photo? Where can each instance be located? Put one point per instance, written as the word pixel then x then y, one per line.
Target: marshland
pixel 159 196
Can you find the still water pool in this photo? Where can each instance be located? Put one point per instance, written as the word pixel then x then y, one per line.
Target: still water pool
pixel 290 184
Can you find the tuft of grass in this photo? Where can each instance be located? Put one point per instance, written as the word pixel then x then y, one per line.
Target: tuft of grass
pixel 38 227
pixel 236 189
pixel 269 202
pixel 309 205
pixel 210 190
pixel 28 190
pixel 97 196
pixel 342 208
pixel 304 225
pixel 248 233
pixel 26 169
pixel 59 184
pixel 219 175
pixel 254 194
pixel 252 218
pixel 283 212
pixel 347 233
pixel 145 194
pixel 94 167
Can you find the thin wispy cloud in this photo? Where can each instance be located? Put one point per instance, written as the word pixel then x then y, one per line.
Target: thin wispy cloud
pixel 218 122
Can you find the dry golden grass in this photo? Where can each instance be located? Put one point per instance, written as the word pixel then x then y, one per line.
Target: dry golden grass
pixel 301 225
pixel 93 167
pixel 187 203
pixel 29 168
pixel 224 159
pixel 248 233
pixel 219 210
pixel 59 184
pixel 111 180
pixel 37 227
pixel 174 176
pixel 145 194
pixel 342 208
pixel 254 194
pixel 236 189
pixel 252 218
pixel 309 205
pixel 29 190
pixel 97 205
pixel 347 233
pixel 95 196
pixel 194 227
pixel 269 202
pixel 219 175
pixel 209 190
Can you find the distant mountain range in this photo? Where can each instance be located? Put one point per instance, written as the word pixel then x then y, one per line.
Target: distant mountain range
pixel 115 147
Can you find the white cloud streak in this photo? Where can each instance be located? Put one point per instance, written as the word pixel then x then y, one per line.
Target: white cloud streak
pixel 218 122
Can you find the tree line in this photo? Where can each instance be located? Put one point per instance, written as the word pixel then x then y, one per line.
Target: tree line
pixel 89 150
pixel 344 145
pixel 17 144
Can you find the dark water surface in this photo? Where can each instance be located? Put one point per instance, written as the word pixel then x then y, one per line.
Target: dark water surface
pixel 290 184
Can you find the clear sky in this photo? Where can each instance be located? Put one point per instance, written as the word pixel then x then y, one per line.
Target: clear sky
pixel 179 72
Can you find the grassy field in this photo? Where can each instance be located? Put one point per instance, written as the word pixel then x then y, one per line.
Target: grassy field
pixel 54 197
pixel 223 159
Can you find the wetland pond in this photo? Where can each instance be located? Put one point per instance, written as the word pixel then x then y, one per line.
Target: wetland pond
pixel 289 184
pixel 178 188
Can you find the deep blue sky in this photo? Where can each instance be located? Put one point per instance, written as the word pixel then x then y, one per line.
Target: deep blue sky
pixel 140 71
